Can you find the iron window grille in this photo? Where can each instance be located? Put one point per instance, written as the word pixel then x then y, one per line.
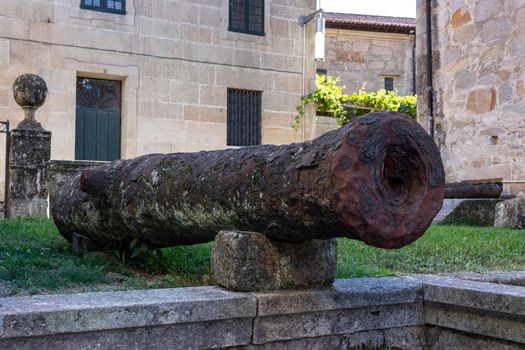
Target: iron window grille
pixel 246 16
pixel 110 6
pixel 244 117
pixel 389 84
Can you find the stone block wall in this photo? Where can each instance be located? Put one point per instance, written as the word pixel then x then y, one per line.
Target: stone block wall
pixel 365 58
pixel 59 170
pixel 418 312
pixel 479 87
pixel 175 59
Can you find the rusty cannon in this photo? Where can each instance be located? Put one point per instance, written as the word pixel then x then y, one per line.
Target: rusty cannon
pixel 378 179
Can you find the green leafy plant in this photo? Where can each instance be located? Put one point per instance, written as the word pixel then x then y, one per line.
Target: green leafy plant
pixel 333 102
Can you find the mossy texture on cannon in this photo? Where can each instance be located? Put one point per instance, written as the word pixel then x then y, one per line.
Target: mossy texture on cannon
pixel 378 179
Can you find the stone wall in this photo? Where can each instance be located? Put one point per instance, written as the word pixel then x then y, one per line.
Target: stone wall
pixel 59 170
pixel 479 81
pixel 366 57
pixel 419 312
pixel 176 60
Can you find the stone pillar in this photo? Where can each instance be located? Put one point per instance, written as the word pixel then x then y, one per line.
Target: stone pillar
pixel 29 153
pixel 249 262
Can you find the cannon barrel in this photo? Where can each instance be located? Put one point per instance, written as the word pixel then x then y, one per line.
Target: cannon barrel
pixel 378 179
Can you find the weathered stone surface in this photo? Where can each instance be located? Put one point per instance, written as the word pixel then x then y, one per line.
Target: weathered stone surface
pixel 481 101
pixel 185 336
pixel 511 212
pixel 514 278
pixel 344 321
pixel 362 59
pixel 415 312
pixel 30 92
pixel 378 179
pixel 60 170
pixel 79 313
pixel 485 309
pixel 470 211
pixel 350 293
pixel 393 338
pixel 508 328
pixel 352 305
pixel 439 338
pixel 498 298
pixel 29 154
pixel 459 17
pixel 350 56
pixel 246 261
pixel 476 84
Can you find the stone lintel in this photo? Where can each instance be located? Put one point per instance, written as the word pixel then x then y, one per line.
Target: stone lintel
pixel 247 261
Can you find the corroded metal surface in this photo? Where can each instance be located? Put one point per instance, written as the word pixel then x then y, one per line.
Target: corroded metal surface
pixel 378 179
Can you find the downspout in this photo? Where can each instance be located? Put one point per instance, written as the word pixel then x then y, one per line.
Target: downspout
pixel 414 68
pixel 303 126
pixel 430 86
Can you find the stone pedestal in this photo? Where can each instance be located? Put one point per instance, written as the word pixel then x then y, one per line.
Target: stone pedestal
pixel 511 212
pixel 246 261
pixel 29 155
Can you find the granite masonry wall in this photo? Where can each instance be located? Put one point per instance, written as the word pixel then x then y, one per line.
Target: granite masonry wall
pixel 366 58
pixel 479 87
pixel 175 59
pixel 419 312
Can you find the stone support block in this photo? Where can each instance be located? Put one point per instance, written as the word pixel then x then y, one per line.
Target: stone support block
pixel 470 211
pixel 511 212
pixel 246 261
pixel 29 155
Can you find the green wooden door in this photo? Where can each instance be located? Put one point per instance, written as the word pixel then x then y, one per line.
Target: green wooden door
pixel 98 116
pixel 97 134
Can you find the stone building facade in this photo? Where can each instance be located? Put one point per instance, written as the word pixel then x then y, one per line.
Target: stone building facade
pixel 170 65
pixel 372 50
pixel 478 57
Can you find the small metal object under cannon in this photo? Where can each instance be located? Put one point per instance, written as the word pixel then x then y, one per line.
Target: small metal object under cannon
pixel 378 179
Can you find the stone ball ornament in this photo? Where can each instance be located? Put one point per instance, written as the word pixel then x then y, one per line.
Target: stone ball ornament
pixel 30 92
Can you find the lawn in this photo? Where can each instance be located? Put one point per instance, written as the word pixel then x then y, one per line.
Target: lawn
pixel 34 258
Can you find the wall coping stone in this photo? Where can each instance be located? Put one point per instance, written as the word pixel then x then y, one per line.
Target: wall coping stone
pixel 345 294
pixel 351 306
pixel 84 312
pixel 473 294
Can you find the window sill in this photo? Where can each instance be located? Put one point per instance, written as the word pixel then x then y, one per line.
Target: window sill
pixel 246 32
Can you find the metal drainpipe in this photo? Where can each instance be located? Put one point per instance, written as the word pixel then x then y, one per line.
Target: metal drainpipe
pixel 430 86
pixel 414 68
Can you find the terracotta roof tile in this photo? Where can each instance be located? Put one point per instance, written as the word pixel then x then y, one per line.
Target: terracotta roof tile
pixel 369 22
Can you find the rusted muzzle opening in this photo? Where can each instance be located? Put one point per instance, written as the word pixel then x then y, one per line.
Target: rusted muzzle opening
pixel 402 180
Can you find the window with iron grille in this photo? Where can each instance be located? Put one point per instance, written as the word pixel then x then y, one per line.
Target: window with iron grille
pixel 389 84
pixel 111 6
pixel 244 117
pixel 247 16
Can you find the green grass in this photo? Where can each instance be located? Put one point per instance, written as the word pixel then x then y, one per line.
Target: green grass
pixel 34 258
pixel 443 248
